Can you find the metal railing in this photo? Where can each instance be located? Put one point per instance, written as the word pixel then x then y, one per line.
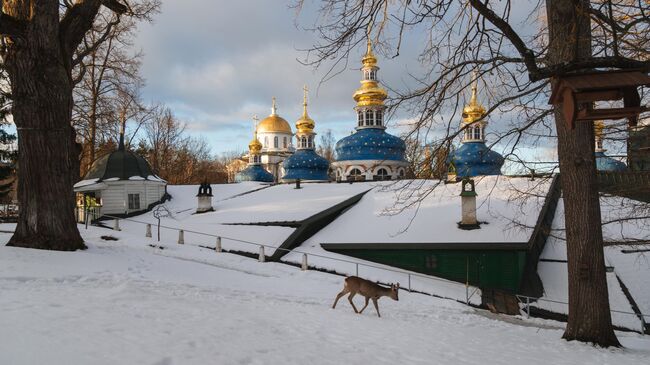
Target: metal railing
pixel 470 291
pixel 527 301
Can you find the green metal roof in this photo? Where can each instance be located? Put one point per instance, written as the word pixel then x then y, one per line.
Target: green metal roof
pixel 120 164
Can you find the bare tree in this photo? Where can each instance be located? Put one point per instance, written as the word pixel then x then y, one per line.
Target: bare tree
pixel 326 145
pixel 107 78
pixel 480 36
pixel 39 49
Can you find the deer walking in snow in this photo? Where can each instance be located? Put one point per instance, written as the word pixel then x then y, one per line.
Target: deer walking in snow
pixel 355 285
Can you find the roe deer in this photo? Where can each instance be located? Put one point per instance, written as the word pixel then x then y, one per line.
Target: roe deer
pixel 355 285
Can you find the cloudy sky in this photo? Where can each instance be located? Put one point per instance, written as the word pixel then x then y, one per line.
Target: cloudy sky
pixel 216 63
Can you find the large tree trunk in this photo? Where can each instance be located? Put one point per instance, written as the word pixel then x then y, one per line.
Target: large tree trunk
pixel 42 110
pixel 589 314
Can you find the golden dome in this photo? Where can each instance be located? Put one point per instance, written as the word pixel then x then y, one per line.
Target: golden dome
pixel 598 128
pixel 305 124
pixel 473 111
pixel 255 146
pixel 274 123
pixel 370 93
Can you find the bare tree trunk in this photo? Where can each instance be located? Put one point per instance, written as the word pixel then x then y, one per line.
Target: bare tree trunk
pixel 589 313
pixel 42 109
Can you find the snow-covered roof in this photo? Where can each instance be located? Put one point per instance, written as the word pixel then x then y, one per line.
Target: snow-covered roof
pixel 428 211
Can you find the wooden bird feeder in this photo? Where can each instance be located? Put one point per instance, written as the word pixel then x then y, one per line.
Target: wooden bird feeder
pixel 578 92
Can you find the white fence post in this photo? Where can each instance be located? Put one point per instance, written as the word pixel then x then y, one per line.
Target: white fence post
pixel 116 226
pixel 262 258
pixel 304 266
pixel 181 237
pixel 218 247
pixel 148 233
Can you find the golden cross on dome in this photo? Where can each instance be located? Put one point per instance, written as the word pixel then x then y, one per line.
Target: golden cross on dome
pixel 255 121
pixel 304 99
pixel 369 49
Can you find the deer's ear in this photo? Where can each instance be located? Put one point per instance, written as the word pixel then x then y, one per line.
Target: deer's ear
pixel 397 286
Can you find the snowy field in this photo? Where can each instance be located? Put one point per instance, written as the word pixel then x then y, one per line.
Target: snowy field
pixel 123 302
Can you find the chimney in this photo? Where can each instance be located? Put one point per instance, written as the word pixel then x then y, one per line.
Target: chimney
pixel 468 205
pixel 204 198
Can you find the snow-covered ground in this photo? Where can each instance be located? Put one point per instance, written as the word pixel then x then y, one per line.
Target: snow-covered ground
pixel 125 302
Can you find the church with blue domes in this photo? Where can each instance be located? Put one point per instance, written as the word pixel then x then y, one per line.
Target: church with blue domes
pixel 370 153
pixel 473 157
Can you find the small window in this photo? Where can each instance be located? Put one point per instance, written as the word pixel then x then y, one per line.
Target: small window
pixel 360 118
pixel 369 117
pixel 275 142
pixel 266 141
pixel 382 174
pixel 355 172
pixel 477 132
pixel 431 262
pixel 284 142
pixel 134 201
pixel 379 117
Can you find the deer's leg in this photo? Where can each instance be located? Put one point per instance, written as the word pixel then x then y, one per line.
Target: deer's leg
pixel 374 301
pixel 352 303
pixel 342 293
pixel 364 307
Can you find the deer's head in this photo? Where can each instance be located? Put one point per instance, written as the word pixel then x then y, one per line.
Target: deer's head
pixel 394 291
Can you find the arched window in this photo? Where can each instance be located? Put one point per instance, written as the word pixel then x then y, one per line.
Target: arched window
pixel 303 142
pixel 355 172
pixel 373 75
pixel 275 142
pixel 266 142
pixel 400 173
pixel 360 118
pixel 382 174
pixel 284 142
pixel 310 142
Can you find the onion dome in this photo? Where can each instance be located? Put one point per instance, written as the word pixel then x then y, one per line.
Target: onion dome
pixel 254 173
pixel 475 159
pixel 255 146
pixel 274 123
pixel 306 165
pixel 473 111
pixel 370 144
pixel 370 93
pixel 305 124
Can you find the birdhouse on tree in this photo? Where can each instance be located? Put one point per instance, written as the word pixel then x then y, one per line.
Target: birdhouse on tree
pixel 578 94
pixel 204 198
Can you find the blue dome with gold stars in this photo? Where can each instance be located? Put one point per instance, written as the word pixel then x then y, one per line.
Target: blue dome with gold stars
pixel 306 164
pixel 370 144
pixel 254 173
pixel 476 159
pixel 606 163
